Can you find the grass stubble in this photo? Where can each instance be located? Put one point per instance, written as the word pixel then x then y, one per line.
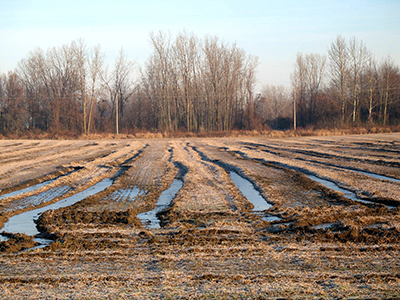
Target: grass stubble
pixel 211 245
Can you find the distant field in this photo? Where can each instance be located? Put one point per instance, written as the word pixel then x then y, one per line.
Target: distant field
pixel 329 227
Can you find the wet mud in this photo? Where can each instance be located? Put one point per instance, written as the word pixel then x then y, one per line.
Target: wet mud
pixel 150 218
pixel 16 242
pixel 251 194
pixel 295 234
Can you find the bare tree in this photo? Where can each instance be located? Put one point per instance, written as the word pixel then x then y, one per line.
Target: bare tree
pixel 96 62
pixel 249 83
pixel 371 74
pixel 119 85
pixel 161 62
pixel 339 69
pixel 390 84
pixel 3 103
pixel 306 81
pixel 358 59
pixel 12 104
pixel 213 71
pixel 299 85
pixel 63 87
pixel 81 65
pixel 275 104
pixel 186 56
pixel 31 73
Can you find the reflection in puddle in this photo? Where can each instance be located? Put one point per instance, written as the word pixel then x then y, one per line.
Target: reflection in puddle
pixel 150 217
pixel 36 186
pixel 41 198
pixel 43 243
pixel 323 226
pixel 333 186
pixel 24 223
pixel 271 218
pixel 377 176
pixel 27 189
pixel 251 194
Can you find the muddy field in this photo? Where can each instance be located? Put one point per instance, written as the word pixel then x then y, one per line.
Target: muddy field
pixel 238 218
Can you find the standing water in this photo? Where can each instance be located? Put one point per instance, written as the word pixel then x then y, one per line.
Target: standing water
pixel 346 193
pixel 150 217
pixel 251 194
pixel 377 176
pixel 24 223
pixel 35 187
pixel 27 189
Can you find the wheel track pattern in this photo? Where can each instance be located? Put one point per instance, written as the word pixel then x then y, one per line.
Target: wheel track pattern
pixel 89 174
pixel 276 185
pixel 45 164
pixel 144 180
pixel 207 191
pixel 384 167
pixel 365 187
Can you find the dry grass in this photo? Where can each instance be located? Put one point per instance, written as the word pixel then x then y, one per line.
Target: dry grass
pixel 211 246
pixel 143 134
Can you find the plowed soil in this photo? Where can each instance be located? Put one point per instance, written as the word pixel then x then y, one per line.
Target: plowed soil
pixel 211 244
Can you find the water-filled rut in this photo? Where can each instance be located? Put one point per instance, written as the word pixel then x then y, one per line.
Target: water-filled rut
pixel 27 189
pixel 25 222
pixel 243 184
pixel 149 218
pixel 251 194
pixel 327 183
pixel 34 187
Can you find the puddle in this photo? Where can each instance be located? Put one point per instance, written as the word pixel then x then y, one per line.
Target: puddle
pixel 24 223
pixel 329 184
pixel 36 186
pixel 377 176
pixel 271 218
pixel 251 194
pixel 324 226
pixel 150 218
pixel 377 226
pixel 245 186
pixel 43 243
pixel 42 197
pixel 346 193
pixel 355 170
pixel 27 189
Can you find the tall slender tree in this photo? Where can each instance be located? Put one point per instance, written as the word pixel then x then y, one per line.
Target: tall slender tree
pixel 339 69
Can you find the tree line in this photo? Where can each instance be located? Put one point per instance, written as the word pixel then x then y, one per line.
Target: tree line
pixel 196 85
pixel 349 88
pixel 187 83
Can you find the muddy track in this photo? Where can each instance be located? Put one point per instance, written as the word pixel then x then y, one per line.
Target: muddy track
pixel 47 163
pixel 136 189
pixel 278 185
pixel 348 162
pixel 312 242
pixel 146 178
pixel 207 195
pixel 364 186
pixel 86 175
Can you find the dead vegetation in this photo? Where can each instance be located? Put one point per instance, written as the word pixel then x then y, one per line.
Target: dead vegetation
pixel 211 245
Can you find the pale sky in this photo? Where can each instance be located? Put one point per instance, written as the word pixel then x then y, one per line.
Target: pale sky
pixel 275 31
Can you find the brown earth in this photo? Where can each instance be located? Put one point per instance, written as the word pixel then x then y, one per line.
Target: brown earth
pixel 211 245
